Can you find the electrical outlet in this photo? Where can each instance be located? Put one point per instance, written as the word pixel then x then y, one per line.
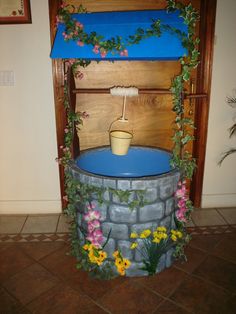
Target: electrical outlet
pixel 7 78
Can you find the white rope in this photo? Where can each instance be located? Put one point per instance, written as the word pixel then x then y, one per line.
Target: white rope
pixel 124 91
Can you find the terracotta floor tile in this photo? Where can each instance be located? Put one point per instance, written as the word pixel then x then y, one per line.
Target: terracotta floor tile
pixel 218 271
pixel 227 248
pixel 229 214
pixel 8 305
pixel 209 217
pixel 195 294
pixel 194 258
pixel 64 300
pixel 38 250
pixel 64 267
pixel 11 224
pixel 60 263
pixel 130 298
pixel 63 224
pixel 217 303
pixel 165 282
pixel 205 242
pixel 168 307
pixel 40 224
pixel 12 260
pixel 30 283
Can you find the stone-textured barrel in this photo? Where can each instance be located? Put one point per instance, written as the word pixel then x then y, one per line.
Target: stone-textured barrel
pixel 118 219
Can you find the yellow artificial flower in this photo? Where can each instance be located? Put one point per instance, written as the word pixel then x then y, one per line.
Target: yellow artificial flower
pixel 133 245
pixel 156 240
pixel 163 235
pixel 118 262
pixel 126 263
pixel 161 229
pixel 145 233
pixel 173 237
pixel 92 258
pixel 86 247
pixel 179 234
pixel 121 270
pixel 155 234
pixel 116 253
pixel 133 235
pixel 102 255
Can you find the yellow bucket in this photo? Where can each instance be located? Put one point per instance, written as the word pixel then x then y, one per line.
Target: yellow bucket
pixel 120 142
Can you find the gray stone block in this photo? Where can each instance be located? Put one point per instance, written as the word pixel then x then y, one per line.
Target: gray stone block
pixel 109 183
pixel 151 212
pixel 139 251
pixel 116 199
pixel 169 257
pixel 151 195
pixel 118 231
pixel 123 185
pixel 75 174
pixel 135 270
pixel 84 178
pixel 166 188
pixel 173 224
pixel 137 184
pixel 124 247
pixel 106 196
pixel 138 228
pixel 166 222
pixel 169 206
pixel 162 263
pixel 110 247
pixel 144 184
pixel 122 214
pixel 95 181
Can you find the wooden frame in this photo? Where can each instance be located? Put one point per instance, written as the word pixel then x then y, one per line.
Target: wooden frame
pixel 203 86
pixel 15 12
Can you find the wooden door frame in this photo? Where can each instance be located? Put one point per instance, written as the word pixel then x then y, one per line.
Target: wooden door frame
pixel 203 85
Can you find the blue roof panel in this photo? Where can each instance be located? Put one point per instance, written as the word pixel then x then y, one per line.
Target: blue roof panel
pixel 124 24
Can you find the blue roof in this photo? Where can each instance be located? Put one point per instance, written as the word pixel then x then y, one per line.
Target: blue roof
pixel 111 24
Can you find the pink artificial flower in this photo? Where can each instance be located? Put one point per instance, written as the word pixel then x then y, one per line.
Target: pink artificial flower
pixel 93 225
pixel 96 49
pixel 124 53
pixel 90 206
pixel 65 198
pixel 71 61
pixel 92 215
pixel 66 130
pixel 78 24
pixel 103 53
pixel 95 237
pixel 63 5
pixel 85 115
pixel 80 43
pixel 180 216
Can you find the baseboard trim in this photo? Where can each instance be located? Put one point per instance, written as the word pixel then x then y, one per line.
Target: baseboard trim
pixel 30 207
pixel 219 200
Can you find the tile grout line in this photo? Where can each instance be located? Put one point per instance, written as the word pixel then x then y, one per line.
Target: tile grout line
pixel 21 230
pixel 217 209
pixel 59 216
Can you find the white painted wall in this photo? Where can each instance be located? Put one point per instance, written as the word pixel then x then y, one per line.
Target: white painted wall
pixel 219 188
pixel 29 179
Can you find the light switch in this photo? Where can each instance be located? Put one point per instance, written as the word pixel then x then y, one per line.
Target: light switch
pixel 7 78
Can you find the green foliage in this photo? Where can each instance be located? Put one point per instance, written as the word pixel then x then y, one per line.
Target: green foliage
pixel 232 131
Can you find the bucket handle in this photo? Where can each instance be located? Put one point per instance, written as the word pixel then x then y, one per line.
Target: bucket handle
pixel 118 119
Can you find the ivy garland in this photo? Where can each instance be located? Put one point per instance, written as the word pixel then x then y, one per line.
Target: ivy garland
pixel 78 193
